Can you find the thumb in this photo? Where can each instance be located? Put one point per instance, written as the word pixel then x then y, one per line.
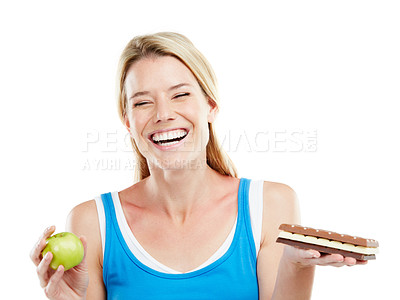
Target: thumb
pixel 84 243
pixel 309 253
pixel 82 265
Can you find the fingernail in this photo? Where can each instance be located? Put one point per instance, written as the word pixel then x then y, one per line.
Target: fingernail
pixel 312 254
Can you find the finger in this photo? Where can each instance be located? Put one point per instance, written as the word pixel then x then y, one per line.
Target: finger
pixel 82 264
pixel 37 249
pixel 43 268
pixel 307 253
pixel 51 287
pixel 347 261
pixel 330 259
pixel 350 261
pixel 84 243
pixel 336 265
pixel 313 254
pixel 362 262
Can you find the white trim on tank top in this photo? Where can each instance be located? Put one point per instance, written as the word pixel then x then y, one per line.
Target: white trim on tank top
pixel 256 213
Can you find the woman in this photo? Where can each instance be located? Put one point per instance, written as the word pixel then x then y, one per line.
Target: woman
pixel 189 228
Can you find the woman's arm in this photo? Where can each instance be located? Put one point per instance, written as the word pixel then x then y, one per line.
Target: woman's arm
pixel 285 272
pixel 74 283
pixel 83 221
pixel 280 206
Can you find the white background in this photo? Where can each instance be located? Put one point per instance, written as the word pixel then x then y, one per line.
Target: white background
pixel 292 71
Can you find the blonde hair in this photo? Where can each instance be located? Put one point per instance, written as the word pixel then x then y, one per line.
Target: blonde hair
pixel 180 47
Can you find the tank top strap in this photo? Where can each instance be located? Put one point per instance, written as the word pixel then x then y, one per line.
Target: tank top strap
pixel 109 236
pixel 243 206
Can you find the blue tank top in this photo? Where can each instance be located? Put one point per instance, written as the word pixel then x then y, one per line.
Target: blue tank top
pixel 233 276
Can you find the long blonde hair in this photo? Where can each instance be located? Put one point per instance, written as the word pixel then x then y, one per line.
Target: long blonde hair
pixel 180 47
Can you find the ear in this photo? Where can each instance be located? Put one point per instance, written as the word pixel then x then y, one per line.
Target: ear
pixel 127 124
pixel 213 110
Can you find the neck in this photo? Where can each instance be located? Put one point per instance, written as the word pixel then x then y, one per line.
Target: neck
pixel 180 192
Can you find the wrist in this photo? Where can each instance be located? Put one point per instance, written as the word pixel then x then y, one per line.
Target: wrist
pixel 294 280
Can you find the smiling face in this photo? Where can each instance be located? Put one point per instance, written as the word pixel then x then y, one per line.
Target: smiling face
pixel 167 113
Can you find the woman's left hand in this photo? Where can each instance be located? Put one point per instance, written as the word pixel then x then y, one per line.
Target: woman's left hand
pixel 309 257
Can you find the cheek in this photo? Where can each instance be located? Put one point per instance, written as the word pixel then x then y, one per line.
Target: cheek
pixel 200 123
pixel 196 112
pixel 137 124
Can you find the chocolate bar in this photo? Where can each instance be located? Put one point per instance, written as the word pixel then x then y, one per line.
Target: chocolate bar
pixel 328 241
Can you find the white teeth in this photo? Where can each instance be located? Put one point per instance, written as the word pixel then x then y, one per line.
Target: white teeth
pixel 170 143
pixel 169 135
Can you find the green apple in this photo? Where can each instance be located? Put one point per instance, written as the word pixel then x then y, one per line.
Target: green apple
pixel 67 250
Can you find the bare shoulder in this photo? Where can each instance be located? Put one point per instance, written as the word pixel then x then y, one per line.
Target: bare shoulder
pixel 83 220
pixel 280 206
pixel 278 194
pixel 83 217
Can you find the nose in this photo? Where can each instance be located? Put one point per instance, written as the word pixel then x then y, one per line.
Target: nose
pixel 164 111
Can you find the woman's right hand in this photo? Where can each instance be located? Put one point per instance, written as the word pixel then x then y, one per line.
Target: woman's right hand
pixel 60 284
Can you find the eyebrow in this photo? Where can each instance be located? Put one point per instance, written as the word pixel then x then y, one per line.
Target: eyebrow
pixel 174 87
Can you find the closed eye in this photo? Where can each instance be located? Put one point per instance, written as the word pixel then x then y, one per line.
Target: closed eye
pixel 182 95
pixel 140 103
